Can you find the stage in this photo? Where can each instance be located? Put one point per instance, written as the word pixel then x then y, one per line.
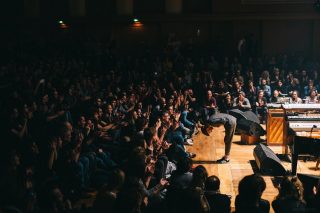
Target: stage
pixel 209 149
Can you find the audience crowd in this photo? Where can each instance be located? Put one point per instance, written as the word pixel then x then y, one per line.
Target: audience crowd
pixel 79 118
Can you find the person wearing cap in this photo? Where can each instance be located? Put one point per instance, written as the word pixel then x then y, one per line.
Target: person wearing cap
pixel 229 122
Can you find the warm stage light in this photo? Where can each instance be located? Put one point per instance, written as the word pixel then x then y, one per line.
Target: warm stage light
pixel 60 22
pixel 137 23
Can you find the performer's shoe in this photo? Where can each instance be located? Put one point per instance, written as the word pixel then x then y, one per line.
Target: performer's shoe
pixel 223 161
pixel 188 142
pixel 192 155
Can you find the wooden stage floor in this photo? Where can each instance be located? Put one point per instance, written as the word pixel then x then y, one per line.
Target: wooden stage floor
pixel 211 148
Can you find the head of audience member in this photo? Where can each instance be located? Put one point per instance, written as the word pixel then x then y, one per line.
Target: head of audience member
pixel 291 188
pixel 237 85
pixel 294 82
pixel 241 96
pixel 250 84
pixel 221 84
pixel 98 102
pixel 303 73
pixel 263 82
pixel 295 95
pixel 141 123
pixel 212 184
pixel 260 94
pixel 250 190
pixel 82 122
pixel 199 177
pixel 209 94
pixel 275 93
pixel 228 98
pixel 165 117
pixel 184 165
pixel 313 94
pixel 171 110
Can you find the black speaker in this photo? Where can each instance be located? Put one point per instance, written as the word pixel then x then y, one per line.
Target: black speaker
pixel 267 161
pixel 250 128
pixel 247 115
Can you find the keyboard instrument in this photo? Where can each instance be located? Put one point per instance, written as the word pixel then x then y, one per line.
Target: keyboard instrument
pixel 301 106
pixel 303 117
pixel 304 145
pixel 304 126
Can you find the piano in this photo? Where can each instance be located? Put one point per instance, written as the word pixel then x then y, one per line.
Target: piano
pixel 303 145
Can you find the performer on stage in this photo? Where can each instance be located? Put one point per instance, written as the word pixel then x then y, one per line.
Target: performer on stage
pixel 229 122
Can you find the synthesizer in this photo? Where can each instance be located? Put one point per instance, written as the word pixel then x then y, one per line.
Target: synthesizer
pixel 301 106
pixel 306 126
pixel 303 118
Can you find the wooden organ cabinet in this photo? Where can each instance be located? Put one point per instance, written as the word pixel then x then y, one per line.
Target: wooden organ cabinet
pixel 275 125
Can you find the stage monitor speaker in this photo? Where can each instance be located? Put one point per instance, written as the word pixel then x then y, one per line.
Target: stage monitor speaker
pixel 267 161
pixel 250 128
pixel 248 115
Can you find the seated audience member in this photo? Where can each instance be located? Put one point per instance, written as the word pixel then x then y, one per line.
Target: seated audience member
pixel 281 87
pixel 194 198
pixel 293 86
pixel 236 89
pixel 251 92
pixel 290 197
pixel 219 203
pixel 180 180
pixel 226 104
pixel 265 88
pixel 308 88
pixel 275 77
pixel 209 105
pixel 295 98
pixel 107 195
pixel 182 177
pixel 220 92
pixel 249 199
pixel 261 105
pixel 131 199
pixel 312 98
pixel 241 102
pixel 275 96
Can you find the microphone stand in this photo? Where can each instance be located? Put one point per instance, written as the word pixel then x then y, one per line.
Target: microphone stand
pixel 314 126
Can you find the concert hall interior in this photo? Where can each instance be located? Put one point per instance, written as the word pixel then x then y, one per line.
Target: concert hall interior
pixel 159 106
